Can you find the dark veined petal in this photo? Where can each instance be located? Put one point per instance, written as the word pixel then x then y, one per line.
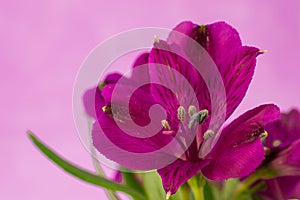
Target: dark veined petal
pixel 180 171
pixel 284 131
pixel 235 62
pixel 239 150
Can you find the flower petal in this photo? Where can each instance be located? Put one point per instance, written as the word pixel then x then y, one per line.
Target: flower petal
pixel 284 131
pixel 131 152
pixel 282 188
pixel 239 151
pixel 92 99
pixel 235 62
pixel 287 161
pixel 177 173
pixel 143 72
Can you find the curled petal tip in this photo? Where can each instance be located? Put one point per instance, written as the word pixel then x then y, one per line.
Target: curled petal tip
pixel 168 195
pixel 262 51
pixel 156 39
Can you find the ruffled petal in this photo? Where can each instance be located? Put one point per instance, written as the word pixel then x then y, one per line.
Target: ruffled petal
pixel 239 150
pixel 177 173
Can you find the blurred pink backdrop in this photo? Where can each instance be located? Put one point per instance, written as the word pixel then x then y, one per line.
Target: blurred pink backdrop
pixel 43 43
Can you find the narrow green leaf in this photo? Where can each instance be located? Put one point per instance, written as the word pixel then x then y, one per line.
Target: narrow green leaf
pixel 81 173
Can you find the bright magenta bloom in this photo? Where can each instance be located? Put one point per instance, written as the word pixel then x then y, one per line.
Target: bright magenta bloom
pixel 237 152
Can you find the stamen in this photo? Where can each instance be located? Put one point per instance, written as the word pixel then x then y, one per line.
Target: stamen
pixel 104 108
pixel 192 110
pixel 276 143
pixel 198 117
pixel 168 195
pixel 181 113
pixel 101 86
pixel 263 136
pixel 267 150
pixel 208 134
pixel 166 125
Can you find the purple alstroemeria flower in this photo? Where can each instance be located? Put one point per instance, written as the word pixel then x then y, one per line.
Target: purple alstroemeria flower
pixel 238 150
pixel 283 159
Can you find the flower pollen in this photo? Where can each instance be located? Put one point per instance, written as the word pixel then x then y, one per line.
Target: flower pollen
pixel 181 113
pixel 198 118
pixel 276 143
pixel 166 125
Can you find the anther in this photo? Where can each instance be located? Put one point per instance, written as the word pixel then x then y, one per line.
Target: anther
pixel 263 136
pixel 105 108
pixel 181 113
pixel 276 143
pixel 192 110
pixel 166 125
pixel 198 118
pixel 267 150
pixel 208 134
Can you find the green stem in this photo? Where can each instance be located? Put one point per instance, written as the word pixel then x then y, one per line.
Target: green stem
pixel 244 186
pixel 197 185
pixel 185 192
pixel 110 194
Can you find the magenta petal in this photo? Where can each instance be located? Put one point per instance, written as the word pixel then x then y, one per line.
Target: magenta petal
pixel 239 151
pixel 237 74
pixel 112 78
pixel 142 74
pixel 287 161
pixel 169 67
pixel 285 131
pixel 235 62
pixel 177 173
pixel 92 99
pixel 282 188
pixel 186 28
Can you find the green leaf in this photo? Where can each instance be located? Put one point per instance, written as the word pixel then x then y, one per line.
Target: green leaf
pixel 81 173
pixel 153 186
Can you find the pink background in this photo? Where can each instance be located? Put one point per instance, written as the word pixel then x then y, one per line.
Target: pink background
pixel 43 43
